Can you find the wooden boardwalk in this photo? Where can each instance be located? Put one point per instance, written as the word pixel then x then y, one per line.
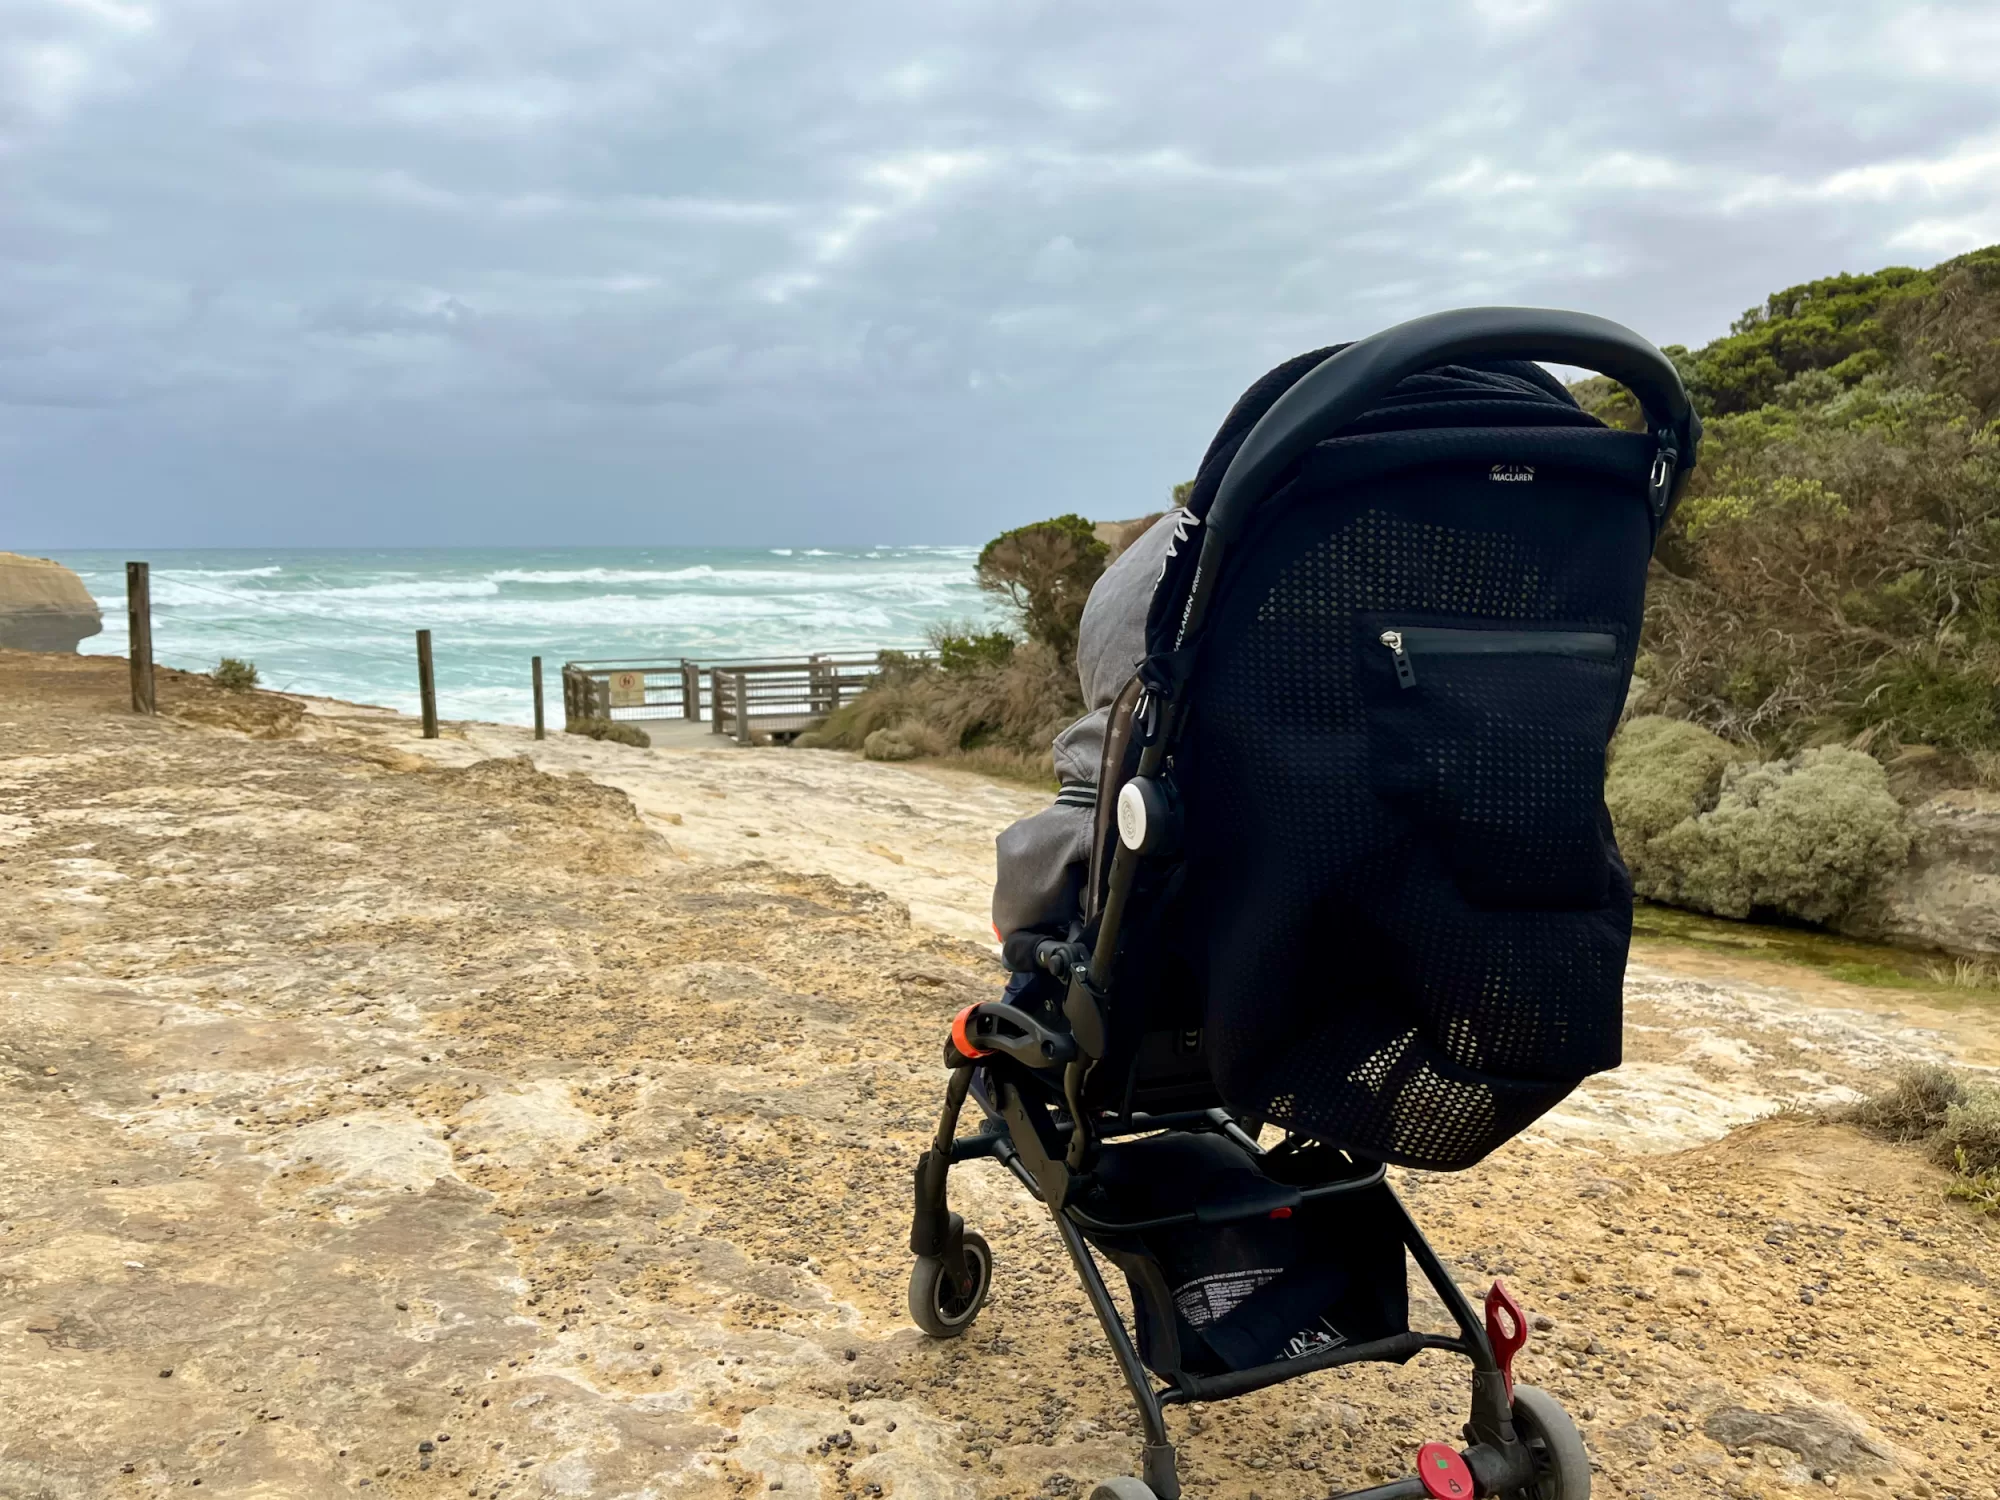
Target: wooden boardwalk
pixel 741 699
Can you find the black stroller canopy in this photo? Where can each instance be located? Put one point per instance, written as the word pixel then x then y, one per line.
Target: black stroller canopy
pixel 1399 896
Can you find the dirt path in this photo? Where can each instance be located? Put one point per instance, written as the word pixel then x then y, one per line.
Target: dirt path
pixel 353 1101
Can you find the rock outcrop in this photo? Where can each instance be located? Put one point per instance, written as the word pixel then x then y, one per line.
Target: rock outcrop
pixel 43 605
pixel 1948 894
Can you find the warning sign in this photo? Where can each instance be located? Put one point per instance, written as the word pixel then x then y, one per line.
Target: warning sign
pixel 628 689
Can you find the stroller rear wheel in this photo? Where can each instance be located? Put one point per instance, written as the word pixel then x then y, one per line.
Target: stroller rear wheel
pixel 940 1305
pixel 1562 1468
pixel 1124 1487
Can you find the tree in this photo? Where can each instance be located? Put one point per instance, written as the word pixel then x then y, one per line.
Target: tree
pixel 1044 572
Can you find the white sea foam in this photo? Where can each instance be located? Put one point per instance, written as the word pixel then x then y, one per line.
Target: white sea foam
pixel 602 575
pixel 271 571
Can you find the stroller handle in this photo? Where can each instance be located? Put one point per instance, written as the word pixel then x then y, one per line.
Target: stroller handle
pixel 1344 385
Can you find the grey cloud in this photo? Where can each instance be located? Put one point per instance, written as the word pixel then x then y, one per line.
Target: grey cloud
pixel 507 271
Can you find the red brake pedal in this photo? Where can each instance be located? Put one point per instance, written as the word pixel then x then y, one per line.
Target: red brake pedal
pixel 1444 1473
pixel 1506 1330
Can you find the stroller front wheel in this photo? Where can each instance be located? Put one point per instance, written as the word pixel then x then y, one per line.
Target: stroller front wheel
pixel 939 1304
pixel 1562 1467
pixel 1124 1487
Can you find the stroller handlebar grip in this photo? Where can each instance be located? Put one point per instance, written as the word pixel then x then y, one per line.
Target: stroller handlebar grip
pixel 1344 385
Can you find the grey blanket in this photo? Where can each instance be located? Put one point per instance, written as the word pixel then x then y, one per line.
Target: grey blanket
pixel 1042 859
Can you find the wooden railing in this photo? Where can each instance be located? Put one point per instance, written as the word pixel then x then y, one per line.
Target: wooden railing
pixel 776 697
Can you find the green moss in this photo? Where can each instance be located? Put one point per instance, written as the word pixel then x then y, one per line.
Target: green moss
pixel 1869 965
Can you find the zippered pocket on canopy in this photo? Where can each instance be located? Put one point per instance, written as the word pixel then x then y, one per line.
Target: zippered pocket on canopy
pixel 1490 741
pixel 1407 643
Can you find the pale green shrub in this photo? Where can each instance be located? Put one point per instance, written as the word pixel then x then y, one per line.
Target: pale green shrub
pixel 1803 837
pixel 1661 772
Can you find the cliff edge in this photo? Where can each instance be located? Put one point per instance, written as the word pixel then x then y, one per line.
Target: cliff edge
pixel 43 605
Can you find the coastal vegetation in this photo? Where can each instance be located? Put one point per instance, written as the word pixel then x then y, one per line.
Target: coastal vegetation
pixel 1821 650
pixel 614 730
pixel 235 674
pixel 991 699
pixel 1955 1123
pixel 1833 575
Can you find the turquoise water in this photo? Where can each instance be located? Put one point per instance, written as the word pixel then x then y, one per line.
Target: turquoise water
pixel 343 623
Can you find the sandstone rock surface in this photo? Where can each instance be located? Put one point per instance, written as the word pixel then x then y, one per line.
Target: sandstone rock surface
pixel 43 605
pixel 1948 894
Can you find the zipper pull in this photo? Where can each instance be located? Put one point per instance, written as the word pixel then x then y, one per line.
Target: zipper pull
pixel 1406 675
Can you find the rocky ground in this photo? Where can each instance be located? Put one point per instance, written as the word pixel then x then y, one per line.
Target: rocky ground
pixel 401 1116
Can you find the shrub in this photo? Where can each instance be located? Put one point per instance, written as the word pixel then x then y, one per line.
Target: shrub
pixel 1044 572
pixel 1799 837
pixel 1803 837
pixel 1969 1139
pixel 1957 1126
pixel 235 674
pixel 1661 772
pixel 1913 1107
pixel 1001 717
pixel 614 730
pixel 1834 570
pixel 964 647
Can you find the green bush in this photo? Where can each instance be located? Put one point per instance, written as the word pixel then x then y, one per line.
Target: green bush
pixel 1044 572
pixel 614 730
pixel 966 648
pixel 1803 837
pixel 1661 772
pixel 1969 1139
pixel 1834 570
pixel 235 674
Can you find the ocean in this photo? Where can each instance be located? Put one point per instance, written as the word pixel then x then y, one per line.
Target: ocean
pixel 343 623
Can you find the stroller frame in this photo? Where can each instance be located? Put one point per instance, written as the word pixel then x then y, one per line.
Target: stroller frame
pixel 1519 1440
pixel 1027 1137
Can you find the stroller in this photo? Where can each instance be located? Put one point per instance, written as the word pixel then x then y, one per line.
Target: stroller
pixel 1353 892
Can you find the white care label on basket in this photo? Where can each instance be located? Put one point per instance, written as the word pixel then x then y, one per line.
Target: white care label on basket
pixel 1207 1298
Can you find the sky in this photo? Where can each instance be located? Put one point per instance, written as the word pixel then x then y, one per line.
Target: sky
pixel 423 272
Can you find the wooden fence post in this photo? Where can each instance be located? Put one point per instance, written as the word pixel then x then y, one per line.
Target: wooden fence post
pixel 714 701
pixel 539 733
pixel 742 707
pixel 427 684
pixel 139 615
pixel 690 691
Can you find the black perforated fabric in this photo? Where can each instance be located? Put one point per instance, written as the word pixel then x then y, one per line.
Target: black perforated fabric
pixel 1415 916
